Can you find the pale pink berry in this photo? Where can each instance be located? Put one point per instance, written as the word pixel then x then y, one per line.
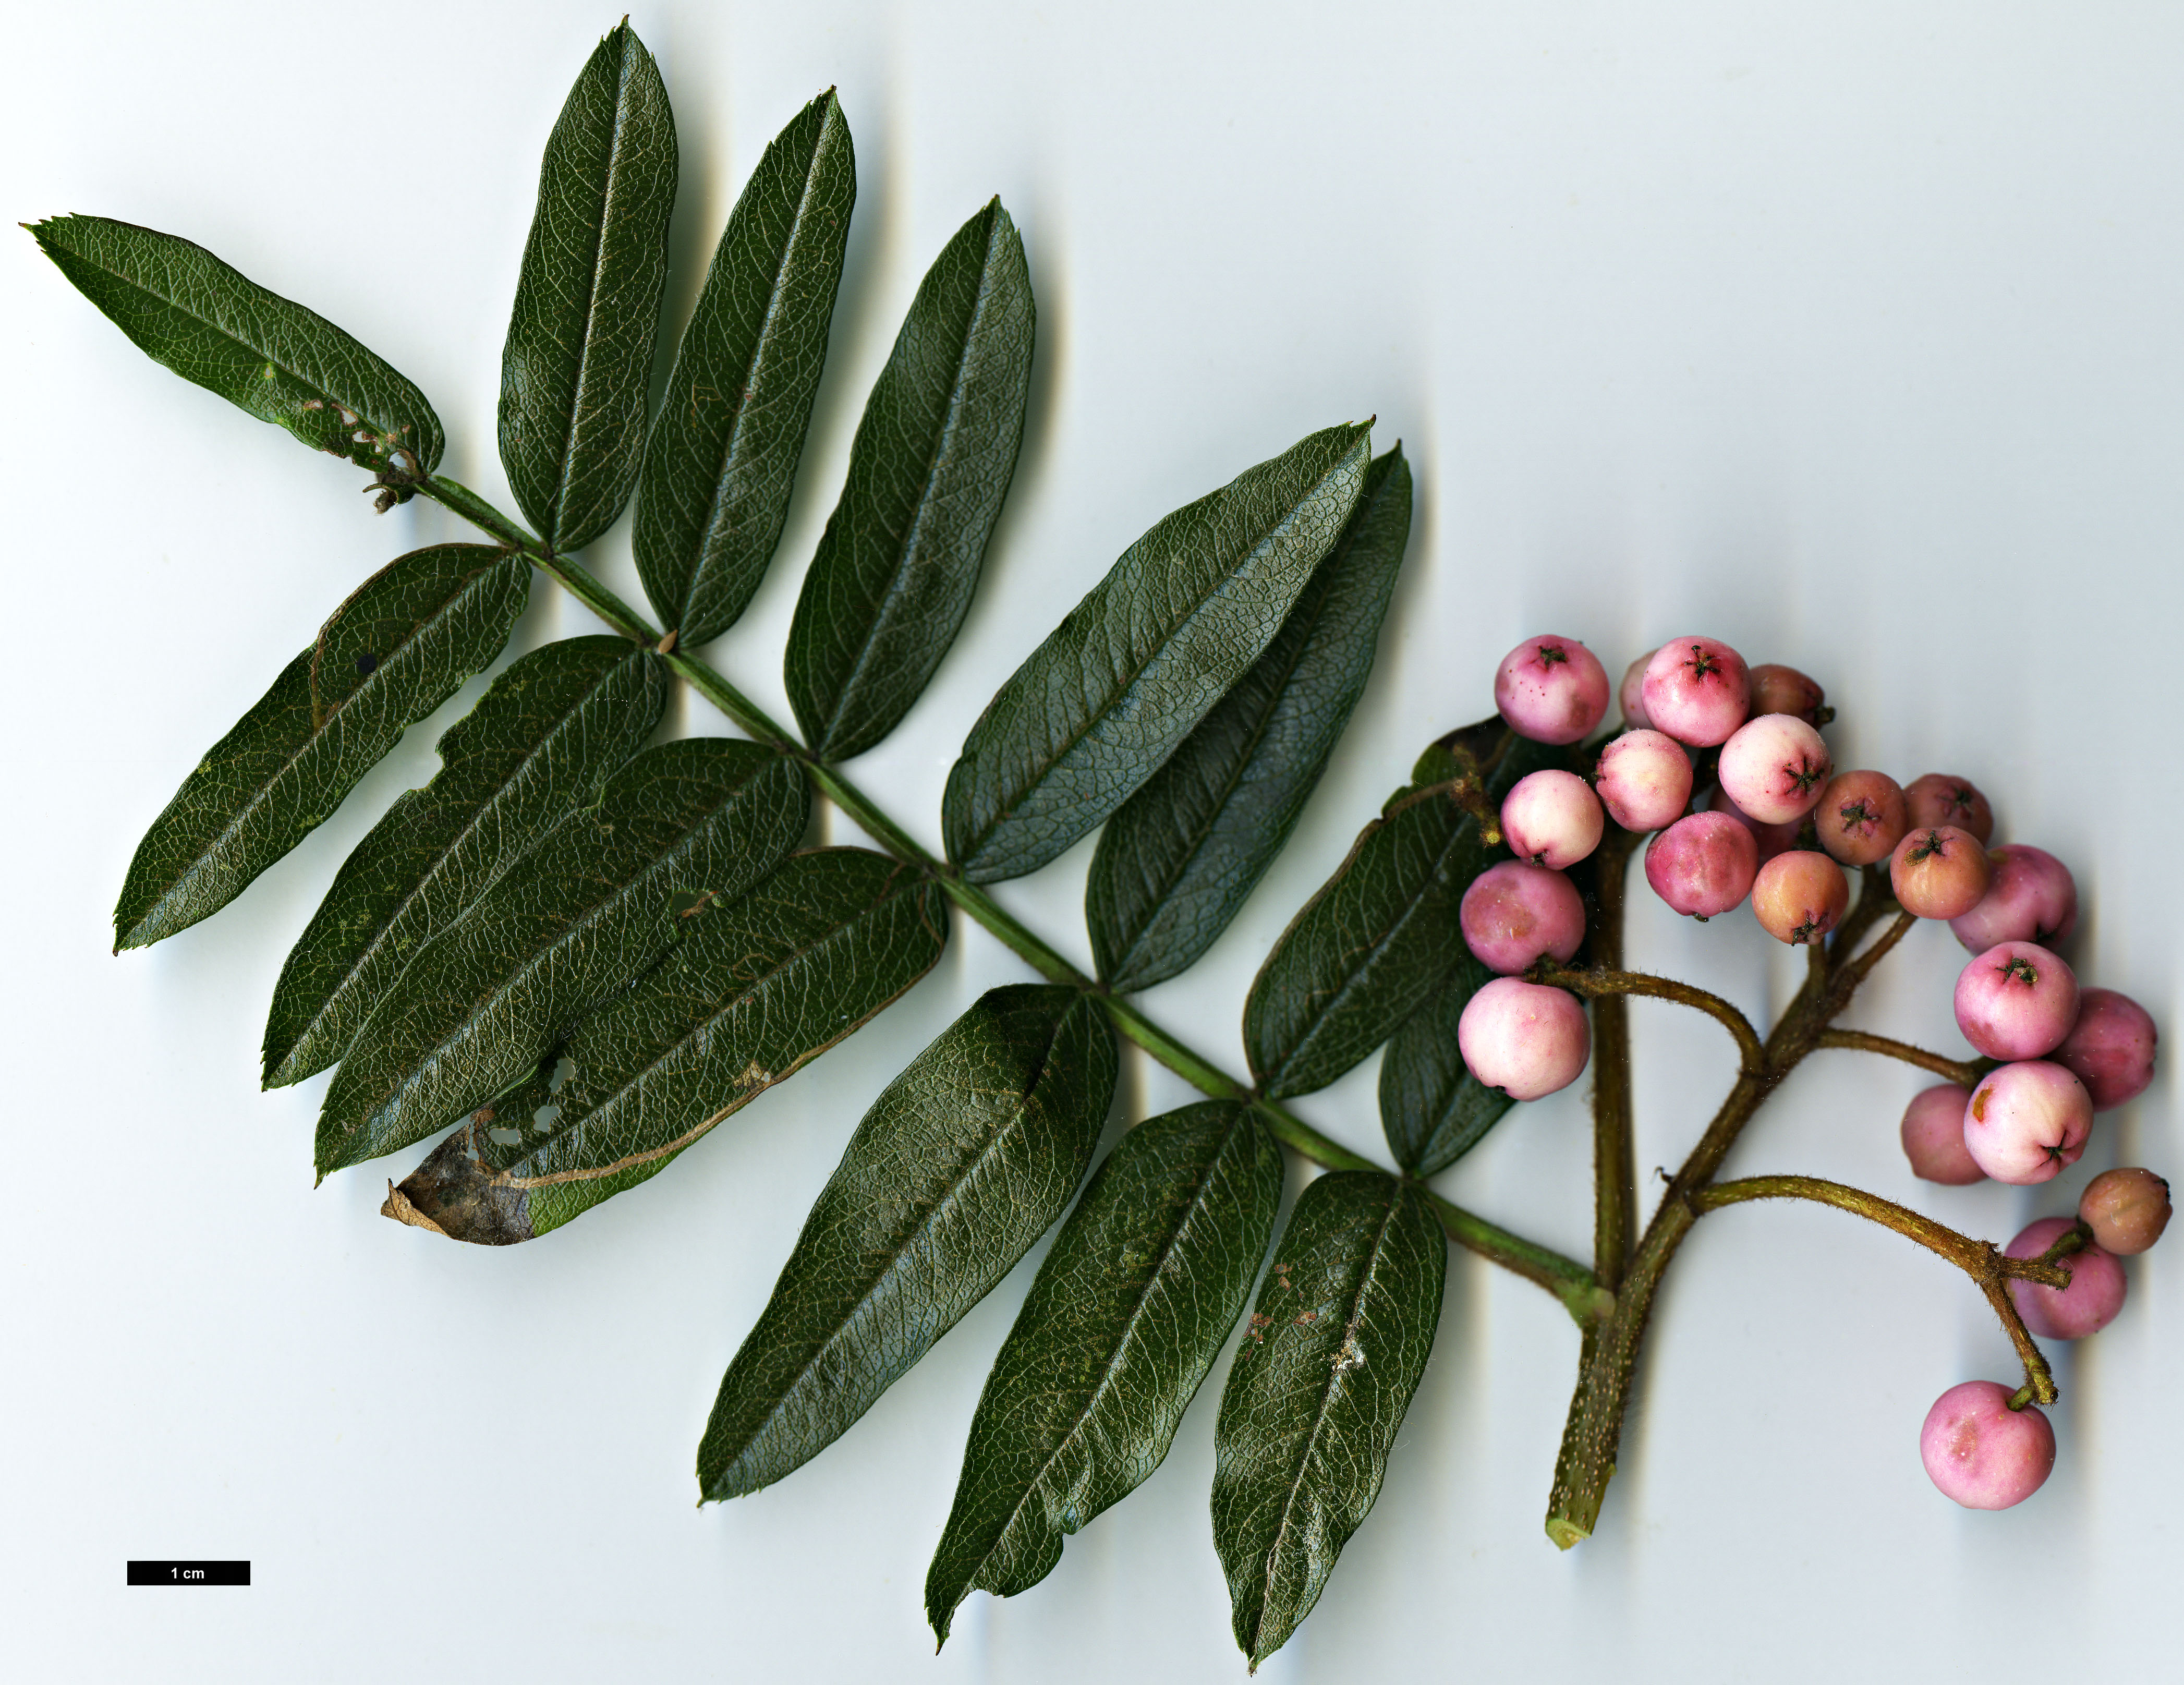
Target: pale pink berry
pixel 1550 689
pixel 1769 840
pixel 2027 1121
pixel 1645 780
pixel 1934 1137
pixel 1774 767
pixel 1945 799
pixel 1515 912
pixel 1982 1453
pixel 1938 871
pixel 1697 690
pixel 2110 1048
pixel 1630 695
pixel 1777 689
pixel 1551 818
pixel 2016 1001
pixel 1526 1038
pixel 2029 898
pixel 1702 865
pixel 1860 818
pixel 2086 1306
pixel 1799 897
pixel 2126 1209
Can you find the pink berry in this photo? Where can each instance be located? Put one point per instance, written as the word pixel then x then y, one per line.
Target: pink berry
pixel 1551 818
pixel 2086 1306
pixel 1860 818
pixel 1777 689
pixel 1774 767
pixel 1630 695
pixel 1702 865
pixel 2016 1001
pixel 1799 897
pixel 2027 1121
pixel 1945 799
pixel 1938 871
pixel 1514 913
pixel 1550 689
pixel 1523 1038
pixel 2029 898
pixel 1697 690
pixel 1982 1453
pixel 1769 840
pixel 2110 1048
pixel 1645 779
pixel 1934 1137
pixel 2125 1209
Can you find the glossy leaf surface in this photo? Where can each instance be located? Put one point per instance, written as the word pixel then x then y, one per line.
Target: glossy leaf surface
pixel 720 461
pixel 267 355
pixel 1134 667
pixel 962 1162
pixel 576 368
pixel 1432 1109
pixel 895 569
pixel 542 737
pixel 400 646
pixel 755 991
pixel 1127 1314
pixel 597 900
pixel 1336 1345
pixel 1178 858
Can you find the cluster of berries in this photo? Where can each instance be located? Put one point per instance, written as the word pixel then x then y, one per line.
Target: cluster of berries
pixel 1774 822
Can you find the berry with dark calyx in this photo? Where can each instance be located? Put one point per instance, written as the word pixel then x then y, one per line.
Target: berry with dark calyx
pixel 1702 865
pixel 1945 799
pixel 1551 818
pixel 1982 1453
pixel 1697 690
pixel 2029 898
pixel 1933 1135
pixel 1799 897
pixel 1526 1038
pixel 2126 1209
pixel 1769 840
pixel 2088 1305
pixel 1630 694
pixel 1777 689
pixel 1938 871
pixel 1860 818
pixel 1774 767
pixel 2016 1001
pixel 1644 779
pixel 2110 1048
pixel 1515 912
pixel 2028 1121
pixel 1550 689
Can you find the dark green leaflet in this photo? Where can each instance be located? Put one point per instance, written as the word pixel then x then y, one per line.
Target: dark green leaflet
pixel 1127 1313
pixel 755 992
pixel 552 727
pixel 961 1164
pixel 1177 860
pixel 1338 1341
pixel 261 352
pixel 1134 667
pixel 591 906
pixel 935 447
pixel 391 654
pixel 1432 1109
pixel 575 373
pixel 721 458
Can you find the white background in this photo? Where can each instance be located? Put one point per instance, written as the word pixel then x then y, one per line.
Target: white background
pixel 1848 333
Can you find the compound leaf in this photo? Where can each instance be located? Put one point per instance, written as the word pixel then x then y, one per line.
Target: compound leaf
pixel 1432 1109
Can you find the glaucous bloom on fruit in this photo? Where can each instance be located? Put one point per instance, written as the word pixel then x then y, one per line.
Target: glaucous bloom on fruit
pixel 2086 1306
pixel 2027 1122
pixel 1630 694
pixel 1777 689
pixel 1550 689
pixel 1697 690
pixel 1774 767
pixel 1933 1135
pixel 1982 1453
pixel 2016 1001
pixel 1644 779
pixel 1551 818
pixel 1515 912
pixel 2029 897
pixel 1526 1038
pixel 1800 896
pixel 2126 1209
pixel 1945 799
pixel 1938 871
pixel 2110 1048
pixel 1702 865
pixel 1860 818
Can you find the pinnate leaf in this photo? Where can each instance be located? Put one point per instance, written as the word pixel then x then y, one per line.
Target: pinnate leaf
pixel 961 1164
pixel 934 451
pixel 400 646
pixel 1134 667
pixel 1432 1109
